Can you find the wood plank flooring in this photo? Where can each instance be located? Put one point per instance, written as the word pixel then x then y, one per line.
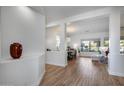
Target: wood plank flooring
pixel 80 72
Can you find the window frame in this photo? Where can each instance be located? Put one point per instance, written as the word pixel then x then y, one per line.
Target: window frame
pixel 89 47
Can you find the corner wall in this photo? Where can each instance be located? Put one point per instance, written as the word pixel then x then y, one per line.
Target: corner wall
pixel 26 26
pixel 23 25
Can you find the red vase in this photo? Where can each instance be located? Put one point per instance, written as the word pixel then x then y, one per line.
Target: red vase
pixel 16 50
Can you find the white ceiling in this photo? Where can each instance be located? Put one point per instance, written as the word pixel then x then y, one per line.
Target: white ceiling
pixel 91 25
pixel 55 13
pixel 39 9
pixel 88 26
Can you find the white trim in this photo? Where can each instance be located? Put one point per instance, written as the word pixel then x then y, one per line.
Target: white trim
pixel 39 80
pixel 60 65
pixel 115 73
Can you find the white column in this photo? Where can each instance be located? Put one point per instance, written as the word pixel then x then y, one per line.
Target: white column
pixel 63 44
pixel 114 31
pixel 62 37
pixel 114 43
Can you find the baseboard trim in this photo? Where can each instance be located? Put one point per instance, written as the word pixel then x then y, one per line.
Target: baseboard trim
pixel 115 73
pixel 57 65
pixel 37 83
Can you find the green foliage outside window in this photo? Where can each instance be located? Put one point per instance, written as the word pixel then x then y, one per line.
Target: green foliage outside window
pixel 90 46
pixel 106 43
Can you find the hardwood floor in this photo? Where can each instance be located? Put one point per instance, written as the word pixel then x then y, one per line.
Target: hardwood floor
pixel 80 72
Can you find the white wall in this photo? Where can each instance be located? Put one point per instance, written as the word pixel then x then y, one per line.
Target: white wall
pixel 51 37
pixel 22 24
pixel 26 26
pixel 0 33
pixel 25 71
pixel 56 57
